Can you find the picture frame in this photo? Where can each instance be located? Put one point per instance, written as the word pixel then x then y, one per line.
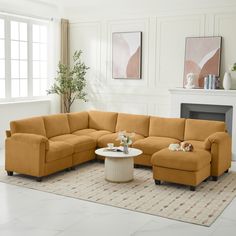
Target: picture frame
pixel 127 55
pixel 202 58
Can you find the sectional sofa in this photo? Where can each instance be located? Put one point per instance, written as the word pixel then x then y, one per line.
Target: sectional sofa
pixel 40 146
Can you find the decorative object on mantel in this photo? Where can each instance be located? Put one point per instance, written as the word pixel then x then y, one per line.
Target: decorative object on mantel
pixel 126 55
pixel 191 81
pixel 227 81
pixel 211 82
pixel 233 67
pixel 202 57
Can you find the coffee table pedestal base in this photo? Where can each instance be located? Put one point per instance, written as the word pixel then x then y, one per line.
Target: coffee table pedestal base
pixel 119 170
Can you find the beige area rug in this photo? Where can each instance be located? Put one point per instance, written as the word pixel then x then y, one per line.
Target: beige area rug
pixel 168 200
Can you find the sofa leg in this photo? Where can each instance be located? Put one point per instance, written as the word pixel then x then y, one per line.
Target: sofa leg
pixel 157 182
pixel 192 188
pixel 205 180
pixel 39 179
pixel 214 178
pixel 10 173
pixel 227 171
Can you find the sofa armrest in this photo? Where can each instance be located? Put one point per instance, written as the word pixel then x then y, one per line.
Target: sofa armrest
pixel 219 144
pixel 25 154
pixel 30 139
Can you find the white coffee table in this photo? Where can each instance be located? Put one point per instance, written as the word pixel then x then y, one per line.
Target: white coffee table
pixel 119 167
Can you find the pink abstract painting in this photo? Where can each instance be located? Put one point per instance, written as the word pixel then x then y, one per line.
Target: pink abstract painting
pixel 126 55
pixel 202 57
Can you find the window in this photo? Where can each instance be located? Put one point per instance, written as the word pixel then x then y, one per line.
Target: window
pixel 23 57
pixel 19 59
pixel 39 60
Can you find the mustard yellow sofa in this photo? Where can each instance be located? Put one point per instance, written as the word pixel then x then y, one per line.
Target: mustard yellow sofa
pixel 40 146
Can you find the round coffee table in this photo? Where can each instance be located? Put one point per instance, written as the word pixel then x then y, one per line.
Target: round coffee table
pixel 119 167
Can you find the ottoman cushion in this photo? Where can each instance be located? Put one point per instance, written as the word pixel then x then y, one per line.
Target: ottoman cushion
pixel 188 161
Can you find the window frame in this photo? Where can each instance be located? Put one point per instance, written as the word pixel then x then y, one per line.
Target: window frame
pixel 8 80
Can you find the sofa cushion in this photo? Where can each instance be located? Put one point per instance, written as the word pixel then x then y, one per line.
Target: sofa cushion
pixel 78 121
pixel 112 138
pixel 100 120
pixel 167 127
pixel 58 150
pixel 188 161
pixel 92 133
pixel 151 145
pixel 138 124
pixel 197 144
pixel 99 133
pixel 56 125
pixel 79 143
pixel 33 125
pixel 201 129
pixel 84 131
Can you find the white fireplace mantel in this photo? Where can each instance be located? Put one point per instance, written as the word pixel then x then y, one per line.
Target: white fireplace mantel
pixel 207 97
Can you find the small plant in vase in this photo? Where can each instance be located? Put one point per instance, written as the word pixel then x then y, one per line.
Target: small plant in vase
pixel 125 140
pixel 233 67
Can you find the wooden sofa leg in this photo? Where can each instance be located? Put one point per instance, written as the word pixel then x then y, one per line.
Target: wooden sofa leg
pixel 192 188
pixel 39 179
pixel 157 182
pixel 10 173
pixel 227 171
pixel 214 178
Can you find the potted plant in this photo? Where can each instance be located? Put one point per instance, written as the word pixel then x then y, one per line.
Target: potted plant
pixel 70 81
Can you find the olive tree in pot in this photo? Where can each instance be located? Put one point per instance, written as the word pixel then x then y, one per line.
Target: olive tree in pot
pixel 70 82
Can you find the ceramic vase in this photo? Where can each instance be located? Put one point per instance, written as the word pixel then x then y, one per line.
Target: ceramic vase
pixel 227 81
pixel 126 149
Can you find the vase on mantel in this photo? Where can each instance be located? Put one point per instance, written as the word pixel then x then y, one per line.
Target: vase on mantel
pixel 227 81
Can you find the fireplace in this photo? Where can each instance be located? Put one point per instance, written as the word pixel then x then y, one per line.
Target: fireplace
pixel 208 112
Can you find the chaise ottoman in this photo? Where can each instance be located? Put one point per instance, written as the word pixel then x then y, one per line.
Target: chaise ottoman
pixel 189 168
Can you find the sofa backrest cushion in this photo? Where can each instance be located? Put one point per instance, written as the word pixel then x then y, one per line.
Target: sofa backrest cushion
pixel 56 125
pixel 201 129
pixel 78 120
pixel 34 125
pixel 101 120
pixel 133 123
pixel 167 127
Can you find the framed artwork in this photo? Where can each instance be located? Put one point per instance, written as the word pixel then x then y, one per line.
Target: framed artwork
pixel 202 57
pixel 126 55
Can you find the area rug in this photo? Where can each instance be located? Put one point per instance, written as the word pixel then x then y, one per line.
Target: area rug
pixel 168 200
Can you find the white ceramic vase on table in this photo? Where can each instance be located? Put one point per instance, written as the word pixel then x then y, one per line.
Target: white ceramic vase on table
pixel 227 81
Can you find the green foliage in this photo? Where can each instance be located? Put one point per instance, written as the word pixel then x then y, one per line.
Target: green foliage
pixel 70 81
pixel 233 67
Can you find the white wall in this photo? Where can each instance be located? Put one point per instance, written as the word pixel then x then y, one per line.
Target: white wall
pixel 23 109
pixel 165 24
